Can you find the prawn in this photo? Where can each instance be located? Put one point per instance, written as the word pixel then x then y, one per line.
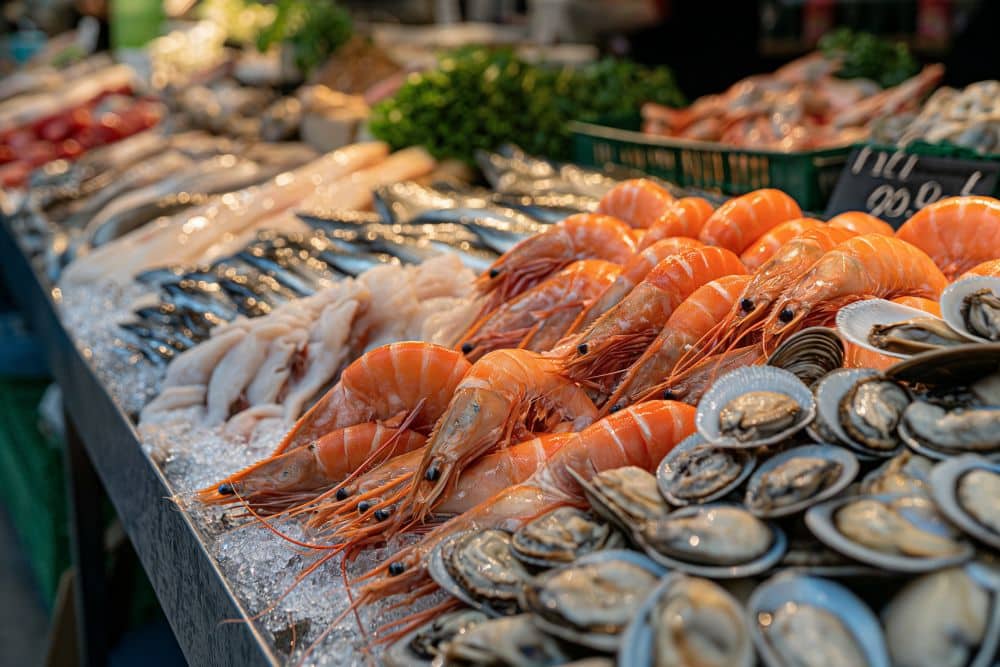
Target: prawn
pixel 958 232
pixel 300 474
pixel 616 339
pixel 768 283
pixel 580 236
pixel 856 356
pixel 861 223
pixel 690 385
pixel 638 201
pixel 693 318
pixel 631 274
pixel 988 268
pixel 741 221
pixel 561 297
pixel 862 267
pixel 684 218
pixel 764 248
pixel 394 382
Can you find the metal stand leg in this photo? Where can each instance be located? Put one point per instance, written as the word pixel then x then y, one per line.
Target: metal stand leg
pixel 87 545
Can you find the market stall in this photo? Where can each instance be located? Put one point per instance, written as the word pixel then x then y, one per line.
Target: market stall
pixel 508 355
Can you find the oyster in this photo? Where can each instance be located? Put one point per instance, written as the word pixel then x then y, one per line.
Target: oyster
pixel 804 634
pixel 905 473
pixel 709 535
pixel 870 413
pixel 757 415
pixel 981 314
pixel 561 536
pixel 937 620
pixel 514 641
pixel 428 641
pixel 934 429
pixel 979 496
pixel 483 566
pixel 881 525
pixel 916 335
pixel 627 496
pixel 697 472
pixel 799 477
pixel 589 603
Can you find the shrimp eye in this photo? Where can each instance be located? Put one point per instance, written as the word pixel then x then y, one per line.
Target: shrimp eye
pixel 494 273
pixel 746 305
pixel 226 489
pixel 383 514
pixel 342 494
pixel 364 506
pixel 786 315
pixel 616 407
pixel 582 348
pixel 467 347
pixel 396 569
pixel 668 394
pixel 433 473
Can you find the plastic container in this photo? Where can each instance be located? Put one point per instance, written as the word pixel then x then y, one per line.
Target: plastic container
pixel 809 176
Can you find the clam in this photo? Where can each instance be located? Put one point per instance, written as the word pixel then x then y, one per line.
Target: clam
pixel 937 432
pixel 799 477
pixel 809 354
pixel 894 329
pixel 592 600
pixel 687 622
pixel 479 568
pixel 895 533
pixel 562 536
pixel 697 472
pixel 628 497
pixel 906 473
pixel 514 641
pixel 943 619
pixel 870 413
pixel 803 620
pixel 717 540
pixel 972 307
pixel 962 365
pixel 967 489
pixel 753 406
pixel 427 642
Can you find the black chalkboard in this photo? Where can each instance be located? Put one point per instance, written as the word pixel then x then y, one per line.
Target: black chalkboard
pixel 894 185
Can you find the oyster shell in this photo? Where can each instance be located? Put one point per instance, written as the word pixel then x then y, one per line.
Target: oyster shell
pixel 628 497
pixel 906 473
pixel 972 307
pixel 799 477
pixel 757 415
pixel 893 329
pixel 930 429
pixel 962 365
pixel 979 494
pixel 803 634
pixel 427 642
pixel 870 413
pixel 514 641
pixel 880 526
pixel 479 568
pixel 697 472
pixel 967 489
pixel 561 536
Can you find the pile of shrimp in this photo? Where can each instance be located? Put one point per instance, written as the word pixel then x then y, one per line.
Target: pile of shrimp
pixel 598 337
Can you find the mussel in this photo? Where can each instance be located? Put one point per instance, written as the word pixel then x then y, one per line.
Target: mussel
pixel 967 490
pixel 906 473
pixel 972 307
pixel 427 642
pixel 797 478
pixel 870 413
pixel 697 472
pixel 894 329
pixel 514 641
pixel 628 497
pixel 561 536
pixel 936 431
pixel 809 354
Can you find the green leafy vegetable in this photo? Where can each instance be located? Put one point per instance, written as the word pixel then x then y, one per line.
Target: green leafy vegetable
pixel 870 57
pixel 313 28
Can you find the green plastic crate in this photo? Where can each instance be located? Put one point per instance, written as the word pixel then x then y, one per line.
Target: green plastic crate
pixel 809 176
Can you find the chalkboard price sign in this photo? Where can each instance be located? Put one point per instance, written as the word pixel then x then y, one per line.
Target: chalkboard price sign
pixel 894 185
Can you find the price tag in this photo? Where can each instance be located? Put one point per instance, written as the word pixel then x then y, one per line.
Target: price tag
pixel 894 185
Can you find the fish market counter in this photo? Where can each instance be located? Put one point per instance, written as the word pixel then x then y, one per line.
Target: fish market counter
pixel 103 451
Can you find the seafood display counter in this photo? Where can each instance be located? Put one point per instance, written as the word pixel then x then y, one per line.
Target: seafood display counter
pixel 104 451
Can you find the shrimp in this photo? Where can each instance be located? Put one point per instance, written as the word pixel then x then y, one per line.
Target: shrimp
pixel 766 284
pixel 861 223
pixel 506 397
pixel 693 319
pixel 690 385
pixel 393 382
pixel 638 201
pixel 298 475
pixel 563 296
pixel 641 435
pixel 616 339
pixel 864 266
pixel 580 236
pixel 741 221
pixel 958 232
pixel 684 218
pixel 988 268
pixel 856 356
pixel 631 274
pixel 764 248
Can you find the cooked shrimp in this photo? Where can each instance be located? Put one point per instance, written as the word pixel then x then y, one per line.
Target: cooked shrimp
pixel 690 385
pixel 632 274
pixel 864 266
pixel 621 335
pixel 764 248
pixel 958 232
pixel 638 436
pixel 861 223
pixel 988 268
pixel 394 382
pixel 580 236
pixel 856 356
pixel 766 284
pixel 302 473
pixel 694 317
pixel 741 221
pixel 561 297
pixel 639 202
pixel 684 218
